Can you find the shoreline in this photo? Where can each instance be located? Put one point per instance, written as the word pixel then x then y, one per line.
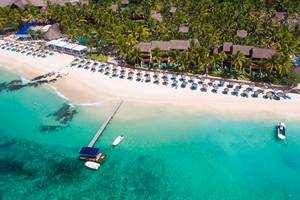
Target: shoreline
pixel 85 87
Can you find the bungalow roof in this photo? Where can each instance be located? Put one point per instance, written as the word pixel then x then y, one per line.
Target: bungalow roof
pixel 53 32
pixel 114 7
pixel 162 45
pixel 179 44
pixel 173 9
pixel 262 53
pixel 4 3
pixel 183 29
pixel 227 46
pixel 242 33
pixel 245 50
pixel 156 15
pixel 144 47
pixel 124 2
pixel 280 16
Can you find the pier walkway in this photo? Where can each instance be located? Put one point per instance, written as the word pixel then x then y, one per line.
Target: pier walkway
pixel 106 122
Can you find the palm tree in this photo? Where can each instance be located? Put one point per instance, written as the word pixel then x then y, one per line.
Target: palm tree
pixel 281 64
pixel 221 57
pixel 262 65
pixel 156 56
pixel 238 61
pixel 274 63
pixel 134 56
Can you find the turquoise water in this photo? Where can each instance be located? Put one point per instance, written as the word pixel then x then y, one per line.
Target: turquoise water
pixel 165 154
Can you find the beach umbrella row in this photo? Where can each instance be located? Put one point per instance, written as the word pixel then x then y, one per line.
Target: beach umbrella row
pixel 185 80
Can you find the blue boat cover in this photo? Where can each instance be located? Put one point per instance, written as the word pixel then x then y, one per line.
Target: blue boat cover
pixel 89 152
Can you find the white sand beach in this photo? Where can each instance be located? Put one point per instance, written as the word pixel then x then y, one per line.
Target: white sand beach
pixel 84 86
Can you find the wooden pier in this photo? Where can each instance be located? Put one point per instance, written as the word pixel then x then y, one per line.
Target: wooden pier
pixel 106 122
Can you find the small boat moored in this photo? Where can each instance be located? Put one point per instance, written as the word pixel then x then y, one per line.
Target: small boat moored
pixel 92 165
pixel 118 140
pixel 281 131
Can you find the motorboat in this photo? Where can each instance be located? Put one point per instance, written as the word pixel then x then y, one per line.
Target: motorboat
pixel 92 165
pixel 281 131
pixel 118 140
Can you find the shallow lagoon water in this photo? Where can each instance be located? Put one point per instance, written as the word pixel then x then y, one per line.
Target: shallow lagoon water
pixel 165 155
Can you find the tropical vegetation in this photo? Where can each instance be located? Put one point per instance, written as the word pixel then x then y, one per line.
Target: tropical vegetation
pixel 211 23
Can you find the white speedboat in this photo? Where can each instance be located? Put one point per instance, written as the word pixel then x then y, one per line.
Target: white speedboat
pixel 92 165
pixel 281 130
pixel 118 140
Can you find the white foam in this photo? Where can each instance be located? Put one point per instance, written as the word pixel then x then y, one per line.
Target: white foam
pixel 90 104
pixel 61 95
pixel 72 105
pixel 25 81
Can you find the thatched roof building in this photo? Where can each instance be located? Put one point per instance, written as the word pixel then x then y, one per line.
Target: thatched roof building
pixel 173 9
pixel 184 29
pixel 262 53
pixel 249 51
pixel 179 44
pixel 245 50
pixel 241 33
pixel 164 45
pixel 114 7
pixel 280 16
pixel 144 47
pixel 53 33
pixel 37 3
pixel 156 15
pixel 227 46
pixel 4 3
pixel 125 2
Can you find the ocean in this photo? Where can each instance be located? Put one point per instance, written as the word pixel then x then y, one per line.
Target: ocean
pixel 166 154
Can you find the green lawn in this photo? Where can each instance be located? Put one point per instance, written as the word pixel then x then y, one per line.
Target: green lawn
pixel 99 57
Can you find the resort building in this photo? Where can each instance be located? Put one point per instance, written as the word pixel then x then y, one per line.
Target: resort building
pixel 9 27
pixel 67 47
pixel 124 3
pixel 248 51
pixel 37 3
pixel 242 33
pixel 184 29
pixel 53 33
pixel 280 17
pixel 261 53
pixel 173 9
pixel 156 15
pixel 114 7
pixel 147 48
pixel 245 50
pixel 253 53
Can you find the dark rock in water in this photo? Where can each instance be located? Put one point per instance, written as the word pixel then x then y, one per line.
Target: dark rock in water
pixel 37 78
pixel 35 82
pixel 7 144
pixel 15 85
pixel 65 114
pixel 50 128
pixel 52 80
pixel 11 86
pixel 2 86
